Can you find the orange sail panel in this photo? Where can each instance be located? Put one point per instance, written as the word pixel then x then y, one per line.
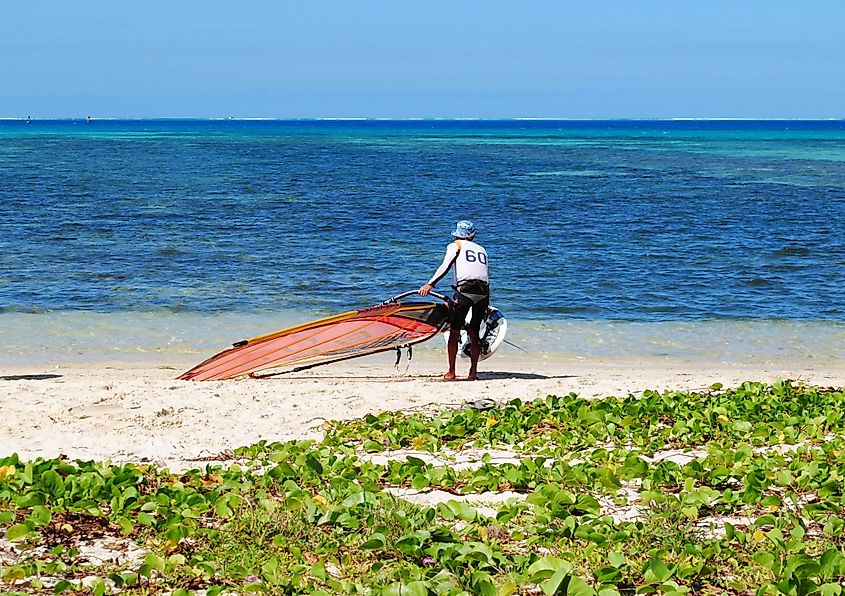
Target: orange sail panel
pixel 348 335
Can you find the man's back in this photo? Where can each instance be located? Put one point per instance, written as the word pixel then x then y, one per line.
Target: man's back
pixel 471 262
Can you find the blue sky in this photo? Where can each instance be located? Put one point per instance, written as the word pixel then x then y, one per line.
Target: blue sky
pixel 596 59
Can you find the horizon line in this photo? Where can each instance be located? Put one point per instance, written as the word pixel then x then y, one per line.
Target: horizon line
pixel 430 119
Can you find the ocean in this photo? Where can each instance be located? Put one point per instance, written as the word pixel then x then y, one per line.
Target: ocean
pixel 687 240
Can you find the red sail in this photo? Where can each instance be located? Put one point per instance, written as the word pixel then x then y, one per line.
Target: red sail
pixel 348 335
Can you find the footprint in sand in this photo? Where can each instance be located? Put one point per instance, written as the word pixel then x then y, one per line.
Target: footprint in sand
pixel 100 410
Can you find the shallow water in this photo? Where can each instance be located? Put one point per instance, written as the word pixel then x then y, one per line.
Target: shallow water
pixel 181 338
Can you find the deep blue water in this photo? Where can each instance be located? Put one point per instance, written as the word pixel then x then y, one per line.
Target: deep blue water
pixel 633 220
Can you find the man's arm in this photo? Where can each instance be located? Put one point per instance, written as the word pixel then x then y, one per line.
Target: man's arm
pixel 451 255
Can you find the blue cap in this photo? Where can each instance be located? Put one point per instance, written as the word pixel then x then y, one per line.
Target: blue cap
pixel 465 230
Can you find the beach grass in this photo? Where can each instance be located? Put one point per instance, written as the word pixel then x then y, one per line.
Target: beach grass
pixel 735 491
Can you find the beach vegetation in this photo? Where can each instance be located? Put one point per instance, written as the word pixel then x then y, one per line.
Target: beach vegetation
pixel 735 491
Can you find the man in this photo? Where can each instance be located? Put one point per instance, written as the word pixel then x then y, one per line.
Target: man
pixel 472 293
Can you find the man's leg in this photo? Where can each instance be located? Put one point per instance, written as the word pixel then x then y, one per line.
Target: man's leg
pixel 458 313
pixel 452 349
pixel 474 353
pixel 479 311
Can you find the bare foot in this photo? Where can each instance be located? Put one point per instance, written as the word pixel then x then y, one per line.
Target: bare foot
pixel 449 376
pixel 472 377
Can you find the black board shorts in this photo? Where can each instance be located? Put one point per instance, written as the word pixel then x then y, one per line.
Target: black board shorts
pixel 471 295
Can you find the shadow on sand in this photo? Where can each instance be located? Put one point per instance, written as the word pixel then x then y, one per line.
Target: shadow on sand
pixel 29 377
pixel 498 375
pixel 347 377
pixel 482 376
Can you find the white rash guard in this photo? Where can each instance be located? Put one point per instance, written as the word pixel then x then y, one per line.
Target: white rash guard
pixel 470 261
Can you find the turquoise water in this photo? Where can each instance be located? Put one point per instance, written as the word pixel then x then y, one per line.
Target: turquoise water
pixel 657 225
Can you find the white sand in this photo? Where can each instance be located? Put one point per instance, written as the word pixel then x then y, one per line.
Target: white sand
pixel 133 412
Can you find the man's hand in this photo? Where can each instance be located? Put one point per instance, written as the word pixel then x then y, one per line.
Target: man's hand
pixel 423 291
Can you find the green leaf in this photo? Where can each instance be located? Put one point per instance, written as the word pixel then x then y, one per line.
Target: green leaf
pixel 53 483
pixel 377 540
pixel 415 588
pixel 616 559
pixel 319 571
pixel 13 573
pixel 579 587
pixel 673 589
pixel 40 515
pixel 222 509
pixel 17 531
pixel 314 463
pixel 830 562
pixel 420 481
pixel 556 584
pixel 609 479
pixel 508 588
pixel 482 584
pixel 130 578
pixel 358 498
pixel 146 519
pixel 546 567
pixel 742 426
pixel 480 552
pixel 155 562
pixel 635 466
pixel 462 510
pixel 372 446
pixel 98 587
pixel 776 536
pixel 657 572
pixel 765 559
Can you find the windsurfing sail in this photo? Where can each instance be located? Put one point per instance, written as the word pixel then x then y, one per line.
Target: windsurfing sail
pixel 393 324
